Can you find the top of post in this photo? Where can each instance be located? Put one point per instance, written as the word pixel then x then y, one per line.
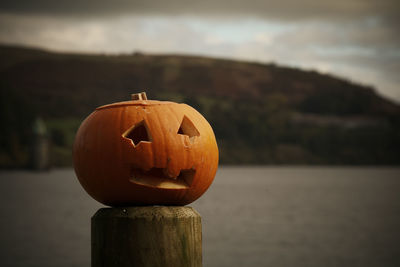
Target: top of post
pixel 148 212
pixel 39 127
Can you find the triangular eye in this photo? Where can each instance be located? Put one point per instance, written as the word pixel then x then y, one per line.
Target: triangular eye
pixel 138 133
pixel 187 128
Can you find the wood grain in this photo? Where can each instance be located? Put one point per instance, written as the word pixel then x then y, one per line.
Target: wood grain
pixel 147 236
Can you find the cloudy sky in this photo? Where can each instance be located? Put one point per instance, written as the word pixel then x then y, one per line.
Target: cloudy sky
pixel 355 39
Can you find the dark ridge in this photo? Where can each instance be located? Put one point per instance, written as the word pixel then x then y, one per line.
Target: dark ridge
pixel 261 113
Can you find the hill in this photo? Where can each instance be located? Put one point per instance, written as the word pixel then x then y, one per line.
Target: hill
pixel 261 113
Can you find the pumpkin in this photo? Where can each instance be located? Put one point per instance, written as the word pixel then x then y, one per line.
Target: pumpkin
pixel 145 152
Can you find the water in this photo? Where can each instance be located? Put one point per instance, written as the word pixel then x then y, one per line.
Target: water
pixel 254 216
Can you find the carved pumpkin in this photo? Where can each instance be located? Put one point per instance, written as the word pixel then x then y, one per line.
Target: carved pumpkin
pixel 145 152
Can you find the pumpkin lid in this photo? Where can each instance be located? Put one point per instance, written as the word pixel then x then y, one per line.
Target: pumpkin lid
pixel 139 99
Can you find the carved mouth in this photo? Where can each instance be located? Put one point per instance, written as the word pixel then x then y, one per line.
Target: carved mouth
pixel 157 177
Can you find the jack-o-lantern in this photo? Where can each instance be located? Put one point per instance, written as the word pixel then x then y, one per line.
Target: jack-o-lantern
pixel 145 152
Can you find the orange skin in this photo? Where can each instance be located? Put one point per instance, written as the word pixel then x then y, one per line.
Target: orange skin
pixel 169 168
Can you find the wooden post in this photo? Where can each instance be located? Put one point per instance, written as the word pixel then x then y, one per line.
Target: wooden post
pixel 40 150
pixel 146 236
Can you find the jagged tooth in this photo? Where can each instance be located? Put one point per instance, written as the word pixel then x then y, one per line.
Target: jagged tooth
pixel 187 176
pixel 169 175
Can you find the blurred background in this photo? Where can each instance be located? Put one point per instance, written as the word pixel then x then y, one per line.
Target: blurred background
pixel 303 97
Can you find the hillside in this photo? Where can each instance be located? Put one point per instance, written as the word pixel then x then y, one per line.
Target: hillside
pixel 261 114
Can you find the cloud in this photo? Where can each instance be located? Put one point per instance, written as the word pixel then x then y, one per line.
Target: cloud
pixel 114 35
pixel 270 9
pixel 357 40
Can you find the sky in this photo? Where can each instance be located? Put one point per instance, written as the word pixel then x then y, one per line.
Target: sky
pixel 358 40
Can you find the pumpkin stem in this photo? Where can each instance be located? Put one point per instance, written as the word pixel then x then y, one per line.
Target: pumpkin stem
pixel 139 96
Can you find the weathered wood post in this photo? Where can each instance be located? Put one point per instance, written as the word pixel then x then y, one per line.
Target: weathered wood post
pixel 146 236
pixel 137 154
pixel 40 154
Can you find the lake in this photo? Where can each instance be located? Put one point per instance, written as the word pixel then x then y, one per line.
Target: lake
pixel 252 216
